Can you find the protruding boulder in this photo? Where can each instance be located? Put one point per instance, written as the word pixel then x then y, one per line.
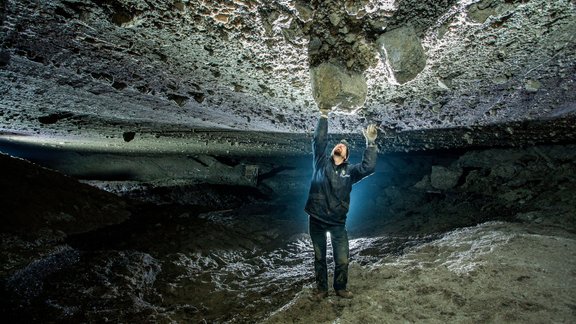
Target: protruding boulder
pixel 334 86
pixel 403 51
pixel 480 11
pixel 444 178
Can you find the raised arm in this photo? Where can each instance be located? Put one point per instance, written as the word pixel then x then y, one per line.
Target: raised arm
pixel 368 164
pixel 320 140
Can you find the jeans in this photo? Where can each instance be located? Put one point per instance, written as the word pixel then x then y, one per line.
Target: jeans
pixel 339 239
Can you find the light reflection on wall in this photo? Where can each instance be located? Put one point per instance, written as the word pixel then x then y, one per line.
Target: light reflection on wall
pixel 363 200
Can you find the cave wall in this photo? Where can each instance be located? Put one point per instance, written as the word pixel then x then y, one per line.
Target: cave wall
pixel 37 199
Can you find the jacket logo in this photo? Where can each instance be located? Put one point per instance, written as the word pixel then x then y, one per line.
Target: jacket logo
pixel 343 174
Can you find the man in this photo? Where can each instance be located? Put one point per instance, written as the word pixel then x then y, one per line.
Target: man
pixel 328 203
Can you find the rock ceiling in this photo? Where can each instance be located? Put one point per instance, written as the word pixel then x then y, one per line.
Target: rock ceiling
pixel 118 69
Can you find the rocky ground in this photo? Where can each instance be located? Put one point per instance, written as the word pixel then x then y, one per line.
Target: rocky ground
pixel 460 236
pixel 495 272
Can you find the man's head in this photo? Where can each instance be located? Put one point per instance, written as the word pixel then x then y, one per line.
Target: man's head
pixel 341 150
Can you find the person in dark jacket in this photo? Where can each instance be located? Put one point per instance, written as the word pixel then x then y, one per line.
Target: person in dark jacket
pixel 329 200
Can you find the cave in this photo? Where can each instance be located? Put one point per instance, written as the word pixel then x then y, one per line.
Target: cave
pixel 158 157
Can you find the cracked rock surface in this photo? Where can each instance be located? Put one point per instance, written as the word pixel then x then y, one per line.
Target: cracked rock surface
pixel 103 69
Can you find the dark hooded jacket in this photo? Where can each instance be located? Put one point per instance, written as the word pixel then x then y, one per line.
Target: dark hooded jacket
pixel 329 196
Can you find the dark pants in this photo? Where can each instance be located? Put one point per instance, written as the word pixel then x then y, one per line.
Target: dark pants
pixel 339 238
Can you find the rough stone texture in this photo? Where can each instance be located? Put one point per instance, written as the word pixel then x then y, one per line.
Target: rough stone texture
pixel 527 270
pixel 95 70
pixel 190 78
pixel 199 254
pixel 334 87
pixel 403 52
pixel 444 178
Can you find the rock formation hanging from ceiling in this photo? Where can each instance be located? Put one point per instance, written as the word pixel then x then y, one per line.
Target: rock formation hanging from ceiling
pixel 98 69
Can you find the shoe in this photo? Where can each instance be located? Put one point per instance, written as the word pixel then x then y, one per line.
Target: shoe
pixel 344 294
pixel 318 295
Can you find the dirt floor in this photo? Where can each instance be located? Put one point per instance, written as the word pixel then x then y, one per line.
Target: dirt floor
pixel 495 272
pixel 476 237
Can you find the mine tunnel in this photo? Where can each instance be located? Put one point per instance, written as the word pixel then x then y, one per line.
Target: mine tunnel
pixel 158 158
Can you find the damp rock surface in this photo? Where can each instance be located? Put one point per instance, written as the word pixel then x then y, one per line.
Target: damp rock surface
pixel 402 50
pixel 493 272
pixel 497 244
pixel 98 71
pixel 336 88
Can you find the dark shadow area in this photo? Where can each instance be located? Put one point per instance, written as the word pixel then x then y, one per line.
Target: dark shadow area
pixel 218 253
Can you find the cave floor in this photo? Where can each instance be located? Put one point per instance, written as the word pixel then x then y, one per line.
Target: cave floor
pixel 496 272
pixel 498 245
pixel 254 264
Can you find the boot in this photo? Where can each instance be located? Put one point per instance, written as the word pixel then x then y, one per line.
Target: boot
pixel 318 295
pixel 344 294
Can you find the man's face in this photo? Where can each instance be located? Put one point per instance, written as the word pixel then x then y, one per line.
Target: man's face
pixel 340 150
